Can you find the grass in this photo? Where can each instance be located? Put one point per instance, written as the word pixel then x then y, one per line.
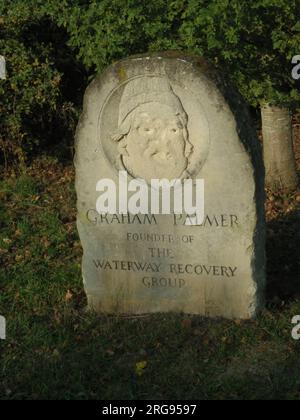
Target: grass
pixel 55 350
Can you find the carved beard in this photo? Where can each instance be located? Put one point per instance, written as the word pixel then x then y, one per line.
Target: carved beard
pixel 156 145
pixel 151 163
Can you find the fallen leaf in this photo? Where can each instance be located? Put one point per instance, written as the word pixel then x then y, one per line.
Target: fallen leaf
pixel 69 296
pixel 140 367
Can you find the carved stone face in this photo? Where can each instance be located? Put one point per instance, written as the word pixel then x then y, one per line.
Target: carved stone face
pixel 156 145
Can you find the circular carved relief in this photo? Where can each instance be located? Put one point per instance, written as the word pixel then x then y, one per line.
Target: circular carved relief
pixel 154 129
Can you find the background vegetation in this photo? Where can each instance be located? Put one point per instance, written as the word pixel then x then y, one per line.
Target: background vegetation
pixel 54 48
pixel 54 349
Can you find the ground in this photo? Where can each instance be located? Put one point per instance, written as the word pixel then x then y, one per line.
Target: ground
pixel 55 350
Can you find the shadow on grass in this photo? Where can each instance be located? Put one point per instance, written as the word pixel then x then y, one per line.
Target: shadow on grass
pixel 283 262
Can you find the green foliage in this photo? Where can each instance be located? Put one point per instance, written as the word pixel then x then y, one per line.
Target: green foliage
pixel 108 30
pixel 52 47
pixel 31 100
pixel 253 41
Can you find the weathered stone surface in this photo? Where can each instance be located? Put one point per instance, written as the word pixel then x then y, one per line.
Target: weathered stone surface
pixel 170 116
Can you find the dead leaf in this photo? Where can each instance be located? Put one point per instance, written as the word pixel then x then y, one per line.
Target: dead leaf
pixel 69 296
pixel 140 368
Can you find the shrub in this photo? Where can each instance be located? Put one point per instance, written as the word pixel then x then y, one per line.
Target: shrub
pixel 32 102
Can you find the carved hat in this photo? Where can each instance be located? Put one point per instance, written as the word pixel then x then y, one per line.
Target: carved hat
pixel 149 89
